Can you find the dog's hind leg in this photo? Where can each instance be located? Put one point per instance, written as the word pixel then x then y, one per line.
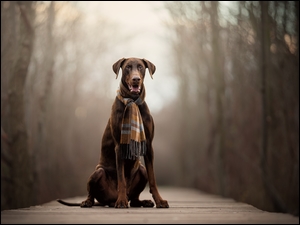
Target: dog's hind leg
pixel 96 189
pixel 137 186
pixel 91 186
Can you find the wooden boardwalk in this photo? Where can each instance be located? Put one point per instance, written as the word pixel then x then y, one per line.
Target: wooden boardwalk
pixel 186 206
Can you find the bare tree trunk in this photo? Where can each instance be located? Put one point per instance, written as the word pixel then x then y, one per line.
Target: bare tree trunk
pixel 49 61
pixel 218 73
pixel 21 194
pixel 44 102
pixel 184 106
pixel 297 110
pixel 264 94
pixel 265 43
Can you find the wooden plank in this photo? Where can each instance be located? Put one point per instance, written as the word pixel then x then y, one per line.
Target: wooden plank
pixel 186 206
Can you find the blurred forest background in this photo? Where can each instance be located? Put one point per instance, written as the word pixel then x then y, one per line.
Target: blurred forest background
pixel 232 128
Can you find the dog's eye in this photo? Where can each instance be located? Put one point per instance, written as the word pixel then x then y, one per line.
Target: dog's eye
pixel 140 67
pixel 128 67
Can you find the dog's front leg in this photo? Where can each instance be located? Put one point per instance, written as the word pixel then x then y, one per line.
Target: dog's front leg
pixel 160 203
pixel 122 201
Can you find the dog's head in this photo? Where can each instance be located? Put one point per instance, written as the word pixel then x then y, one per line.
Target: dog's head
pixel 133 72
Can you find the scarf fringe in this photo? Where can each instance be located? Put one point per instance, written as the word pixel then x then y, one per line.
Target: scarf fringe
pixel 133 150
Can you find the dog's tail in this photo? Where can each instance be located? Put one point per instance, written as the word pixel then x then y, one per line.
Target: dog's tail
pixel 67 203
pixel 75 204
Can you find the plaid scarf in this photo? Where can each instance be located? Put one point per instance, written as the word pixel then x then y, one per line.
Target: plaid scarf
pixel 133 138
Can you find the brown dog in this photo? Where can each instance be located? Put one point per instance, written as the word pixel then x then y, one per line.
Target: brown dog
pixel 120 177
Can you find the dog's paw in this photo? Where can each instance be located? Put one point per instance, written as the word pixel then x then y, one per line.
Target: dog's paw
pixel 86 204
pixel 147 203
pixel 121 204
pixel 143 203
pixel 162 204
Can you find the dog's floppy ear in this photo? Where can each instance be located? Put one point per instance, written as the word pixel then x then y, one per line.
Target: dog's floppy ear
pixel 151 67
pixel 117 65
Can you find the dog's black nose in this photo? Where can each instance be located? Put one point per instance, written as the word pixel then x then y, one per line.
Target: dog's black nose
pixel 136 79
